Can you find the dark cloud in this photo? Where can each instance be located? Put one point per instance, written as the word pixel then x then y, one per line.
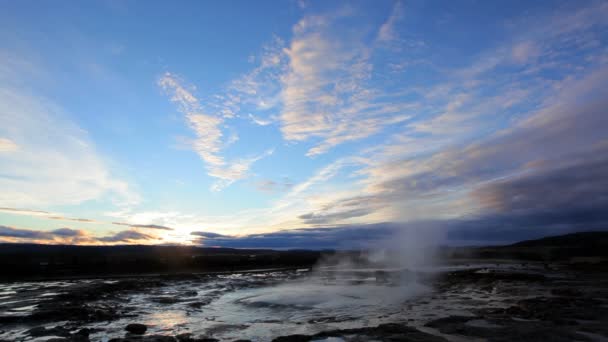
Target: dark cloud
pixel 6 231
pixel 309 238
pixel 580 186
pixel 61 235
pixel 68 236
pixel 126 236
pixel 559 147
pixel 144 226
pixel 67 232
pixel 569 127
pixel 563 199
pixel 209 235
pixel 325 217
pixel 558 198
pixel 490 229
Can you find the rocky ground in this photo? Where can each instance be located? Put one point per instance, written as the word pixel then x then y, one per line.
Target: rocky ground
pixel 523 303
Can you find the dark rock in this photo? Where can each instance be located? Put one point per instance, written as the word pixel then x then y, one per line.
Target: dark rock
pixel 186 337
pixel 159 338
pixel 566 292
pixel 136 328
pixel 448 320
pixel 383 332
pixel 42 331
pixel 199 304
pixel 37 332
pixel 458 325
pixel 293 338
pixel 166 300
pixel 84 332
pixel 150 338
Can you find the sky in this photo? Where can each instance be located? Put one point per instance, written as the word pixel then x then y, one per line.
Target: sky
pixel 301 124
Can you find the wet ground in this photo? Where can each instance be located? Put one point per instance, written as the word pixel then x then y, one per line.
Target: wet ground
pixel 464 302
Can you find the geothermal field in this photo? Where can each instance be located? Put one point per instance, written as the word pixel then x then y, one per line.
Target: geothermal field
pixel 485 297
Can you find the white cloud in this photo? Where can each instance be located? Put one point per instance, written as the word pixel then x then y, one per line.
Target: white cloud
pixel 326 90
pixel 209 136
pixel 208 141
pixel 56 163
pixel 260 87
pixel 387 30
pixel 238 169
pixel 7 145
pixel 259 121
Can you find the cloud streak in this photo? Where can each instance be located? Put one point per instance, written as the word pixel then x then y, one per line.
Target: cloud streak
pixel 144 226
pixel 328 93
pixel 209 136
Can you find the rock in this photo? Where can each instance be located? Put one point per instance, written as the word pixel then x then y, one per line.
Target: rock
pixel 159 338
pixel 383 332
pixel 136 328
pixel 64 334
pixel 293 338
pixel 458 325
pixel 37 332
pixel 448 320
pixel 84 332
pixel 165 300
pixel 150 338
pixel 566 292
pixel 42 331
pixel 186 337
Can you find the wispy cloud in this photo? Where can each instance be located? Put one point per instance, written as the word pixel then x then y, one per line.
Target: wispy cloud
pixel 28 212
pixel 273 186
pixel 259 121
pixel 7 145
pixel 209 136
pixel 44 214
pixel 51 166
pixel 145 226
pixel 387 31
pixel 208 142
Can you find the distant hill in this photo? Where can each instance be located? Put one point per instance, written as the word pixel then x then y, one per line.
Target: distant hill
pixel 574 240
pixel 569 248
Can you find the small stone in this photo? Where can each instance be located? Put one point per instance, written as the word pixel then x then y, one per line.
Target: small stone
pixel 136 328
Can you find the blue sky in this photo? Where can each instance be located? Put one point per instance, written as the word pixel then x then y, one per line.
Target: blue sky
pixel 146 122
